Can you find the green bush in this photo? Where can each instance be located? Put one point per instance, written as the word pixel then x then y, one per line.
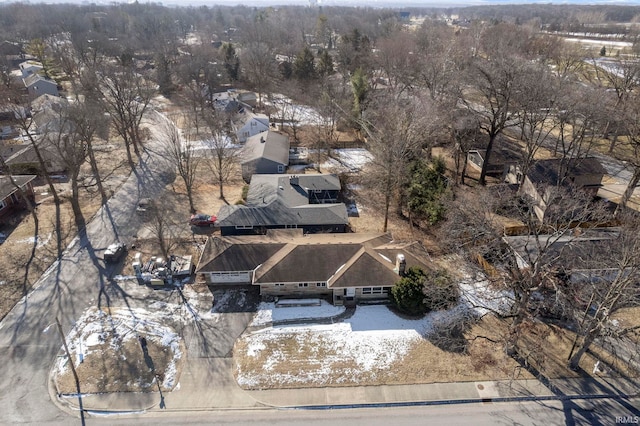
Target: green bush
pixel 407 295
pixel 419 292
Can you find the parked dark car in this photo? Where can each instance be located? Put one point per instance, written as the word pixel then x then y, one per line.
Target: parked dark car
pixel 202 220
pixel 114 252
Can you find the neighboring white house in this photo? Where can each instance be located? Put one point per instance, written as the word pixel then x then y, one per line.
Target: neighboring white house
pixel 38 85
pixel 28 68
pixel 249 124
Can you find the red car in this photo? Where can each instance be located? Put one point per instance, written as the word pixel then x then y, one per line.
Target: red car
pixel 202 220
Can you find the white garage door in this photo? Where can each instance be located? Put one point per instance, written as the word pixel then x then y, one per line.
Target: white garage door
pixel 230 277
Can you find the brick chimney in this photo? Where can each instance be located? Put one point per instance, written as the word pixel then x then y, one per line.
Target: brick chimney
pixel 401 264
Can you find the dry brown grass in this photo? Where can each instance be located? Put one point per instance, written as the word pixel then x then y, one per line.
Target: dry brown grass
pixel 121 370
pixel 544 349
pixel 628 317
pixel 300 355
pixel 16 251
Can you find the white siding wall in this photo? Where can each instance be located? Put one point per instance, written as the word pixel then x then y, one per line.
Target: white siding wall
pixel 230 277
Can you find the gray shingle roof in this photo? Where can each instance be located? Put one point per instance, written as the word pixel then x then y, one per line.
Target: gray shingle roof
pixel 268 144
pixel 7 188
pixel 342 260
pixel 307 263
pixel 32 79
pixel 221 255
pixel 291 189
pixel 278 200
pixel 277 213
pixel 548 171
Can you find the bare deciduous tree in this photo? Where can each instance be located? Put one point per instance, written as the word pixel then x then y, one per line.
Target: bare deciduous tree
pixel 163 230
pixel 437 60
pixel 68 142
pixel 89 123
pixel 396 132
pixel 609 285
pixel 222 157
pixel 259 67
pixel 535 275
pixel 182 157
pixel 396 57
pixel 126 96
pixel 465 132
pixel 494 83
pixel 629 151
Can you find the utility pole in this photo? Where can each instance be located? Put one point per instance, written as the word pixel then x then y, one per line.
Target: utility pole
pixel 73 368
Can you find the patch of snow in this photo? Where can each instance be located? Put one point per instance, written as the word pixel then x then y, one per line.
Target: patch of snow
pixel 477 294
pixel 607 43
pixel 124 277
pixel 297 302
pixel 291 113
pixel 202 147
pixel 112 413
pixel 40 241
pixel 348 159
pixel 371 340
pixel 94 327
pixel 267 312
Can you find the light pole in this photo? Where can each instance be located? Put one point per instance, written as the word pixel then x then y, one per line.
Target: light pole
pixel 73 369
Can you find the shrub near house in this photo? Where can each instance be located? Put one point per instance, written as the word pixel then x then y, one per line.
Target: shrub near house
pixel 419 292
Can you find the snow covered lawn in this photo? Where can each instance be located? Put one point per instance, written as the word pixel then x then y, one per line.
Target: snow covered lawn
pixel 131 350
pixel 375 346
pixel 349 160
pixel 343 353
pixel 291 113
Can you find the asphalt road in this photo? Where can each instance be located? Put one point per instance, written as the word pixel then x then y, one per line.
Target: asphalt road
pixel 29 343
pixel 598 412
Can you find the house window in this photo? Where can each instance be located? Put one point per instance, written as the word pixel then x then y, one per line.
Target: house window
pixel 321 284
pixel 373 290
pixel 244 226
pixel 303 284
pixel 3 204
pixel 254 124
pixel 279 284
pixel 280 168
pixel 246 134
